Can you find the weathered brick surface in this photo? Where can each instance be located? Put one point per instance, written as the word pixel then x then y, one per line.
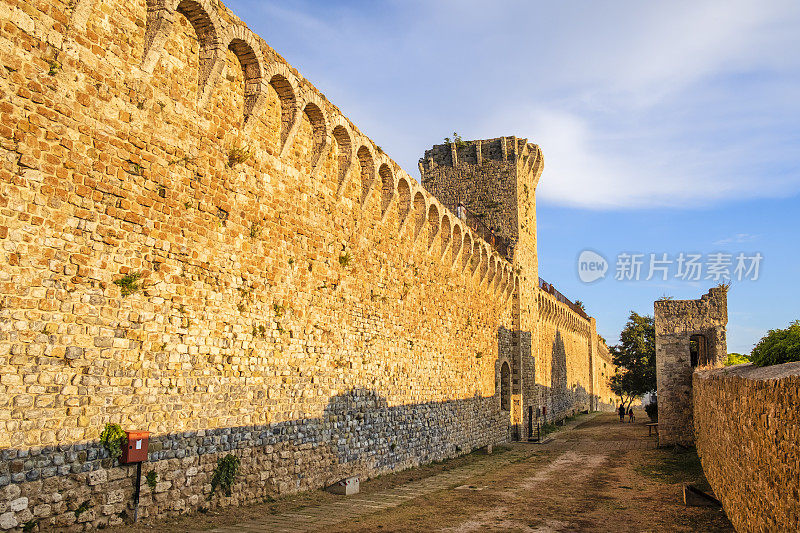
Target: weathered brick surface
pixel 676 322
pixel 747 430
pixel 301 301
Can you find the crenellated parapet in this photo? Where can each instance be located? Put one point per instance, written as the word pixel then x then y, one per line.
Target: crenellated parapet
pixel 562 315
pixel 421 214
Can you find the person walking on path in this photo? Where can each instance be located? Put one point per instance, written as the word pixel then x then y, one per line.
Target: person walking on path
pixel 631 417
pixel 621 412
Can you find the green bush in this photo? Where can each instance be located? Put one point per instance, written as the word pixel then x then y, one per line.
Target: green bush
pixel 652 410
pixel 224 474
pixel 736 359
pixel 778 346
pixel 111 438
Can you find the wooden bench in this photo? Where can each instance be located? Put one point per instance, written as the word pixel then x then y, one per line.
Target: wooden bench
pixel 650 427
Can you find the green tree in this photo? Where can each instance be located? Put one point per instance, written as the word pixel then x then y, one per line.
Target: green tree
pixel 635 357
pixel 778 346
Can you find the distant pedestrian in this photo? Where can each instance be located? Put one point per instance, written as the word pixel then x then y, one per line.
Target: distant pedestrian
pixel 631 416
pixel 621 411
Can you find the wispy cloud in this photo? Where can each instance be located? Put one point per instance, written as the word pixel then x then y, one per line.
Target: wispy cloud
pixel 735 239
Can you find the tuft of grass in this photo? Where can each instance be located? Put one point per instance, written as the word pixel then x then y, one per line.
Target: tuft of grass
pixel 136 169
pixel 151 478
pixel 238 155
pixel 255 230
pixel 129 283
pixel 55 68
pixel 82 508
pixel 345 259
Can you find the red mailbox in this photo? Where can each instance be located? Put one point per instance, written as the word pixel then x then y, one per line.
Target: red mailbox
pixel 134 450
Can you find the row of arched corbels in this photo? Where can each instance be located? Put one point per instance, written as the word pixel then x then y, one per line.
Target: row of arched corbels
pixel 446 237
pixel 560 314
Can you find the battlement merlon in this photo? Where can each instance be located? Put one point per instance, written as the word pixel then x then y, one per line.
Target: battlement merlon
pixel 480 151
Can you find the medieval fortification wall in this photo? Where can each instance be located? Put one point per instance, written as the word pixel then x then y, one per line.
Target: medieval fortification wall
pixel 195 242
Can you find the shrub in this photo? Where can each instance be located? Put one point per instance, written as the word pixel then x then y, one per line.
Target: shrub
pixel 129 284
pixel 652 410
pixel 736 359
pixel 778 346
pixel 152 479
pixel 226 471
pixel 111 438
pixel 238 155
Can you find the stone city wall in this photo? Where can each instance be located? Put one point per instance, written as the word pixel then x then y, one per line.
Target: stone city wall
pixel 563 368
pixel 195 242
pixel 747 429
pixel 604 368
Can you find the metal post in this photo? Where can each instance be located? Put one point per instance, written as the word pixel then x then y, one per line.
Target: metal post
pixel 136 493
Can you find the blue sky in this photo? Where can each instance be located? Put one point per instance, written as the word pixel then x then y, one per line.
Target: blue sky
pixel 666 127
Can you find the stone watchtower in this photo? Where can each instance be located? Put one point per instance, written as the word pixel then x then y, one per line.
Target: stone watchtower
pixel 690 334
pixel 491 186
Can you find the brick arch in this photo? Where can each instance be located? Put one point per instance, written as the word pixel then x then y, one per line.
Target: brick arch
pixel 446 234
pixel 344 138
pixel 367 162
pixel 498 273
pixel 501 285
pixel 457 242
pixel 505 386
pixel 475 262
pixel 313 109
pixel 420 213
pixel 241 41
pixel 207 26
pixel 484 268
pixel 490 271
pixel 466 248
pixel 403 201
pixel 387 186
pixel 433 221
pixel 284 83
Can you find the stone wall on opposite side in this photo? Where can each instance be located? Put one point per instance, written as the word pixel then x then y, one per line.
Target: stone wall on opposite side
pixel 747 433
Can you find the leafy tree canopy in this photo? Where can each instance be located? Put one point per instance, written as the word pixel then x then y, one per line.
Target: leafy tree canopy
pixel 635 357
pixel 778 346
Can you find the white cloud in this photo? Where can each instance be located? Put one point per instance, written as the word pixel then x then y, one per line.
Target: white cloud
pixel 735 239
pixel 635 104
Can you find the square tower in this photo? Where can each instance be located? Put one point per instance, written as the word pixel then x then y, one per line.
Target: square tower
pixel 690 334
pixel 494 180
pixel 491 186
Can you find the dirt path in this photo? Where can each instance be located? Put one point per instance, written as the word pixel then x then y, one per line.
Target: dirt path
pixel 601 476
pixel 598 475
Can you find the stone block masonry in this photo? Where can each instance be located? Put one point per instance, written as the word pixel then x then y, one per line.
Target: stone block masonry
pixel 746 428
pixel 690 334
pixel 195 242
